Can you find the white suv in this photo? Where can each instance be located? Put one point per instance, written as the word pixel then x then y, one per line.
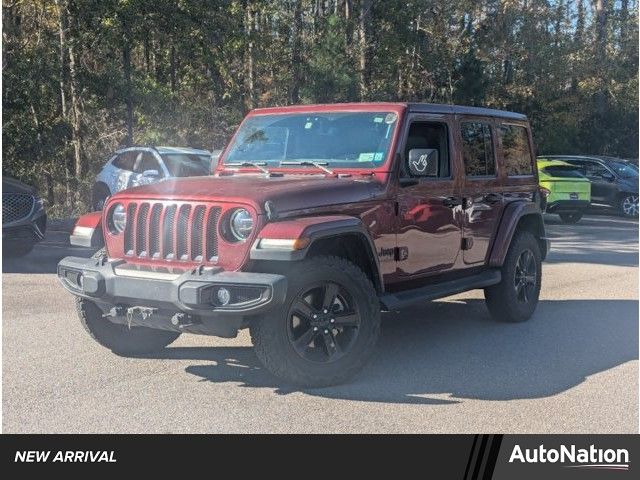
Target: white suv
pixel 133 166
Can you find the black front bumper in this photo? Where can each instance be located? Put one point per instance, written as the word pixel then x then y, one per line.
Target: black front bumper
pixel 194 292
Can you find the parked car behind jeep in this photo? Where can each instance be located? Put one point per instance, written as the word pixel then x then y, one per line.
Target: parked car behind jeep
pixel 134 166
pixel 569 192
pixel 614 182
pixel 319 218
pixel 24 220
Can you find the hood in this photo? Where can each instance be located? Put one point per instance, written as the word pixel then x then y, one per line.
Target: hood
pixel 11 185
pixel 290 192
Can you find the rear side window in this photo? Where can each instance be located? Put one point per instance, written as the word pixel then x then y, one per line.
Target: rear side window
pixel 477 149
pixel 148 162
pixel 515 150
pixel 126 160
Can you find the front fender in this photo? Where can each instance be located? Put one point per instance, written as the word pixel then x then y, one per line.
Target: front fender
pixel 297 236
pixel 87 231
pixel 513 214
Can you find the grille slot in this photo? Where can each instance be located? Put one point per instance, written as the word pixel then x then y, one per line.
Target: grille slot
pixel 167 232
pixel 154 231
pixel 129 230
pixel 178 232
pixel 197 233
pixel 212 234
pixel 16 206
pixel 141 230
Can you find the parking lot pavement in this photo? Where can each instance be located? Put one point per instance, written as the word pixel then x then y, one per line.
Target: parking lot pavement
pixel 440 367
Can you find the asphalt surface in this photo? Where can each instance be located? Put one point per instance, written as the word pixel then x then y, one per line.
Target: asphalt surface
pixel 440 367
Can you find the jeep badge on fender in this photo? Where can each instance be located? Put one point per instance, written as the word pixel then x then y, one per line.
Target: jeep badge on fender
pixel 318 218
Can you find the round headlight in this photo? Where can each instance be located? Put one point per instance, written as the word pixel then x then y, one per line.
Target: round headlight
pixel 241 224
pixel 118 220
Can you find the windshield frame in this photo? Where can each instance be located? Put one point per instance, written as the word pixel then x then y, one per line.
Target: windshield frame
pixel 384 167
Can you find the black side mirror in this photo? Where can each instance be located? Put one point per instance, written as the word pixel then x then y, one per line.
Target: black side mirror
pixel 423 162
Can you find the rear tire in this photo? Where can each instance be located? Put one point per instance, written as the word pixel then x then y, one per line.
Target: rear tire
pixel 628 205
pixel 570 217
pixel 515 298
pixel 301 344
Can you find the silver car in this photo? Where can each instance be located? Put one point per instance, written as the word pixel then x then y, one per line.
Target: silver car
pixel 133 166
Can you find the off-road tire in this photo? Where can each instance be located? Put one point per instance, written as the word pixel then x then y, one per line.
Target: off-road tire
pixel 269 333
pixel 570 217
pixel 119 338
pixel 502 299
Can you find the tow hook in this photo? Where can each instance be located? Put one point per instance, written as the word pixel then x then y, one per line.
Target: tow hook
pixel 182 320
pixel 144 312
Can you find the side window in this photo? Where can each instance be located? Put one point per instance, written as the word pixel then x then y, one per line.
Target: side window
pixel 515 150
pixel 430 146
pixel 125 161
pixel 477 149
pixel 148 162
pixel 595 171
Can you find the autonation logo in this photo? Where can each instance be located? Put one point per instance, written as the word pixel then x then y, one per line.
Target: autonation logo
pixel 574 457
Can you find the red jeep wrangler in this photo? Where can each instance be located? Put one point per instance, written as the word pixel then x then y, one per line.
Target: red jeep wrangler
pixel 318 218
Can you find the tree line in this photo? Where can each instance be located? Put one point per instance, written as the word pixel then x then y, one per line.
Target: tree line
pixel 84 77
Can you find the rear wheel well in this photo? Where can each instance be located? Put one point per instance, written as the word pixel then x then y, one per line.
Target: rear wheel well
pixel 352 247
pixel 535 225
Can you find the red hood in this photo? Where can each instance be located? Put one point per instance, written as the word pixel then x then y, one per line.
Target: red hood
pixel 290 192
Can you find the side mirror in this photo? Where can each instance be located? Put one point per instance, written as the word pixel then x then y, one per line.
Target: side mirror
pixel 608 177
pixel 151 174
pixel 423 162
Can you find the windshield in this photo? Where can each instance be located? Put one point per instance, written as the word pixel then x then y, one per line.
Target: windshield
pixel 187 164
pixel 335 139
pixel 562 171
pixel 623 169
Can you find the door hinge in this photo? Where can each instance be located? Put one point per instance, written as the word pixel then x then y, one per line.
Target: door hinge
pixel 400 253
pixel 467 243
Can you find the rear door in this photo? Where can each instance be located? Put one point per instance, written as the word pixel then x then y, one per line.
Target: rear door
pixel 482 190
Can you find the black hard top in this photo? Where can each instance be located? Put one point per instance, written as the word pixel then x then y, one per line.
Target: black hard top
pixel 462 110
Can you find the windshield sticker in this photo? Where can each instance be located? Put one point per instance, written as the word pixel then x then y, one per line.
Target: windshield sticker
pixel 366 157
pixel 390 118
pixel 377 119
pixel 308 125
pixel 378 157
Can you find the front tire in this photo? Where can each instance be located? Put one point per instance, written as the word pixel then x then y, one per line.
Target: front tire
pixel 515 298
pixel 570 217
pixel 629 205
pixel 327 327
pixel 121 339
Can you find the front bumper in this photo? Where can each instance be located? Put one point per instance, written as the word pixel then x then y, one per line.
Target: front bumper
pixel 192 292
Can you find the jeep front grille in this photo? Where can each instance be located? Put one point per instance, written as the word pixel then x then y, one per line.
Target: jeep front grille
pixel 172 232
pixel 16 206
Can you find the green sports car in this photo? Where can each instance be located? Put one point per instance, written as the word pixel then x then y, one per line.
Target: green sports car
pixel 569 192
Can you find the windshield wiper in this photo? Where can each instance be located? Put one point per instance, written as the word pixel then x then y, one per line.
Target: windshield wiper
pixel 258 165
pixel 308 163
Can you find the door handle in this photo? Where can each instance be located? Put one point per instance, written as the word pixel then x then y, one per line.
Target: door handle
pixel 493 198
pixel 452 202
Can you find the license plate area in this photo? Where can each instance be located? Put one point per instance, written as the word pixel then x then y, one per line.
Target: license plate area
pixel 573 196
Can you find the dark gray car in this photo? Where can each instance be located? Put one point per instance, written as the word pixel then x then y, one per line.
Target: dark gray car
pixel 24 220
pixel 614 182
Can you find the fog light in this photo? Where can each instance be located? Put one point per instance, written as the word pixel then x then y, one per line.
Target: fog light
pixel 224 296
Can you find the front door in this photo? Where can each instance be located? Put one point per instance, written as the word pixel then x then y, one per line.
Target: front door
pixel 428 231
pixel 482 191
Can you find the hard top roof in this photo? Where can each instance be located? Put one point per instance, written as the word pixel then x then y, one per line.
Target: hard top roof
pixel 411 107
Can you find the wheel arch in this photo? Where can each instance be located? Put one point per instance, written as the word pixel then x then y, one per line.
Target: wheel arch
pixel 338 235
pixel 518 216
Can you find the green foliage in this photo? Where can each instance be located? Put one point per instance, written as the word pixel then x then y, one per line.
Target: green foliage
pixel 195 66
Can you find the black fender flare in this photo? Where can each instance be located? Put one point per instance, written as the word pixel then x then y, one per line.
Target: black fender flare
pixel 512 215
pixel 315 229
